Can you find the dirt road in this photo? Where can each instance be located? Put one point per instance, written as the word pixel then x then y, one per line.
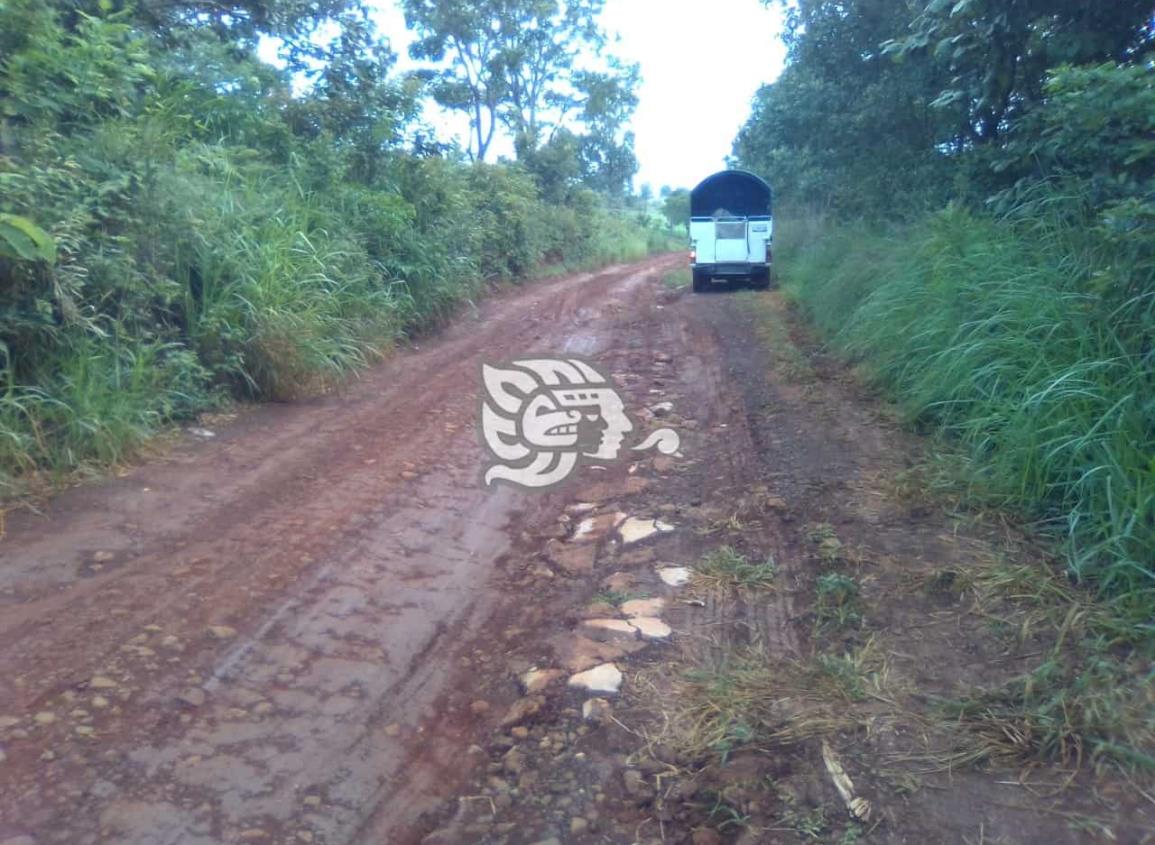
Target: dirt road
pixel 314 626
pixel 195 649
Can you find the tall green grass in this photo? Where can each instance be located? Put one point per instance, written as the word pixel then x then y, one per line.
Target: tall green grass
pixel 1030 342
pixel 234 277
pixel 213 233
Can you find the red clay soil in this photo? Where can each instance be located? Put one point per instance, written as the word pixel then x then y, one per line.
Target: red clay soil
pixel 308 627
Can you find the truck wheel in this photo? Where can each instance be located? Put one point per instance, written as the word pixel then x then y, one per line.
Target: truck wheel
pixel 760 280
pixel 701 281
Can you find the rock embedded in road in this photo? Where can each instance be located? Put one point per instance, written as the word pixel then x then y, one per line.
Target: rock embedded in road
pixel 675 576
pixel 606 678
pixel 514 762
pixel 643 607
pixel 620 582
pixel 609 630
pixel 596 710
pixel 536 680
pixel 635 529
pixel 522 709
pixel 578 653
pixel 595 527
pixel 572 559
pixel 597 610
pixel 651 628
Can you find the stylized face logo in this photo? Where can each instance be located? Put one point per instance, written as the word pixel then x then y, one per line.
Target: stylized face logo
pixel 539 416
pixel 593 420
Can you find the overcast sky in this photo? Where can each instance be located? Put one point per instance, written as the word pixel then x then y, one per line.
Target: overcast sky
pixel 701 62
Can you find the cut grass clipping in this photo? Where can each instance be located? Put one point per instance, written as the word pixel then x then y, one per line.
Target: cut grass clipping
pixel 725 567
pixel 1090 699
pixel 750 700
pixel 1072 711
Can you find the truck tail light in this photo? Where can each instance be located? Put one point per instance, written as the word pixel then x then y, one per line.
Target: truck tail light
pixel 693 256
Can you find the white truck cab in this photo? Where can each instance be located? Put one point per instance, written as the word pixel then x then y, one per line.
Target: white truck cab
pixel 731 230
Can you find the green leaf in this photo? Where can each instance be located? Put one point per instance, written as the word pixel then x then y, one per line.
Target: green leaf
pixel 23 239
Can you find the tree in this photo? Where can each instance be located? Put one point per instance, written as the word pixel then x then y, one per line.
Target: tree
pixel 474 83
pixel 846 126
pixel 676 208
pixel 539 41
pixel 998 52
pixel 355 99
pixel 510 61
pixel 555 166
pixel 293 21
pixel 608 101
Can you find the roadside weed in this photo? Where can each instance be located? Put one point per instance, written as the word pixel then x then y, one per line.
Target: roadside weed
pixel 726 567
pixel 837 602
pixel 1068 711
pixel 613 597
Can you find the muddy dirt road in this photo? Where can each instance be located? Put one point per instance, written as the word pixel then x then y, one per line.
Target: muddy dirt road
pixel 205 646
pixel 316 625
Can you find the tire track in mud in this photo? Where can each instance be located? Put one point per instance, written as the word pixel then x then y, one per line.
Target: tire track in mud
pixel 730 385
pixel 671 351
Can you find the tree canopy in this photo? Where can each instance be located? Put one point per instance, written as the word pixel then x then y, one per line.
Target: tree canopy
pixel 889 106
pixel 516 64
pixel 181 221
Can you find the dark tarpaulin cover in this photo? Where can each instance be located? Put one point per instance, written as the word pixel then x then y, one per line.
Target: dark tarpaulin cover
pixel 736 192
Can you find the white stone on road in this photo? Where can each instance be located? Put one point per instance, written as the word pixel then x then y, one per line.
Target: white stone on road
pixel 596 527
pixel 675 576
pixel 635 529
pixel 643 607
pixel 652 628
pixel 608 630
pixel 606 678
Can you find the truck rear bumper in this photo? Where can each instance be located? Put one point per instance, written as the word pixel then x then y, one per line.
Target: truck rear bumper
pixel 730 269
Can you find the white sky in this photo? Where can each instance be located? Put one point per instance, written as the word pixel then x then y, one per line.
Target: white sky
pixel 701 62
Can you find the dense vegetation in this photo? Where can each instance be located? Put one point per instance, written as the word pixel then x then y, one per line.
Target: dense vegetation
pixel 180 222
pixel 971 193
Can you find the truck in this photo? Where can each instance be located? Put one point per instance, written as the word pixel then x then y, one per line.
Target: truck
pixel 731 230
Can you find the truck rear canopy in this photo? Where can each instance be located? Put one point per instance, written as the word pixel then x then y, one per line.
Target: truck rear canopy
pixel 734 193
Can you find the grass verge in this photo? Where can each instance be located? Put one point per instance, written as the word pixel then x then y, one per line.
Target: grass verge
pixel 1009 339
